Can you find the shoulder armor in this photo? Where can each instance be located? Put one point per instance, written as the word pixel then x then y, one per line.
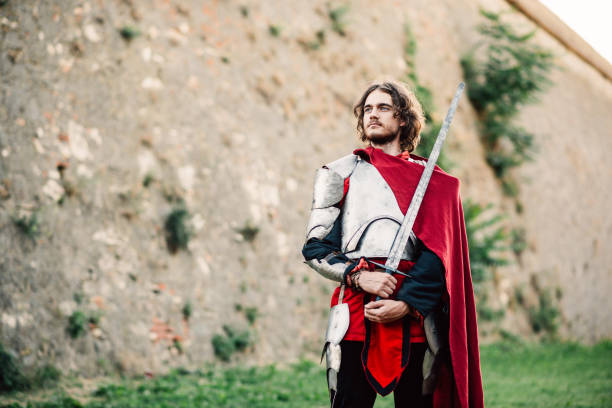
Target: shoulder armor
pixel 328 191
pixel 344 166
pixel 329 181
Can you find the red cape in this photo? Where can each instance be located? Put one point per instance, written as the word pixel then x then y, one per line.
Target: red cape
pixel 440 225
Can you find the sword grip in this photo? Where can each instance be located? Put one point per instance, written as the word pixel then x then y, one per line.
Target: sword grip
pixel 390 273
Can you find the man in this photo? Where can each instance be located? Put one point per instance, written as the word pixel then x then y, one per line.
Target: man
pixel 358 206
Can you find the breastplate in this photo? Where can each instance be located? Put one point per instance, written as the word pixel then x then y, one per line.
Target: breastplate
pixel 371 216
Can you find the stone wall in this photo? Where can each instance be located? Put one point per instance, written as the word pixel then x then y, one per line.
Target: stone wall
pixel 229 107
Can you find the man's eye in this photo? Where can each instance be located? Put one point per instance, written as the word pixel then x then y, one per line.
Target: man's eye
pixel 384 108
pixel 367 110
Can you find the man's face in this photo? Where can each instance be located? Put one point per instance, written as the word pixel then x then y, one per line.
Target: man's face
pixel 380 125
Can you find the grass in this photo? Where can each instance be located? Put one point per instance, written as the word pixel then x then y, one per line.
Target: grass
pixel 515 374
pixel 547 375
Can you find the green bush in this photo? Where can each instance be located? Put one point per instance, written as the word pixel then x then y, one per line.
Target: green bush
pixel 251 314
pixel 186 310
pixel 28 225
pixel 512 72
pixel 488 314
pixel 544 318
pixel 232 341
pixel 337 17
pixel 77 324
pixel 248 231
pixel 177 231
pixel 430 132
pixel 147 180
pixel 12 377
pixel 46 376
pixel 518 240
pixel 274 30
pixel 128 33
pixel 485 240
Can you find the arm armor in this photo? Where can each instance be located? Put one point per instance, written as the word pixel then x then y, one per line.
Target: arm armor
pixel 328 192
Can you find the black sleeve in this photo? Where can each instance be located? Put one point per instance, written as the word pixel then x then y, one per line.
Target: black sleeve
pixel 424 290
pixel 328 248
pixel 321 248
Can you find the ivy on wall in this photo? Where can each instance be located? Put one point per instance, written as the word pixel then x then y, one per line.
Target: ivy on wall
pixel 502 78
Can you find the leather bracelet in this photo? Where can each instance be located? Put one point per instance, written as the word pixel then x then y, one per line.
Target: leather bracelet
pixel 355 279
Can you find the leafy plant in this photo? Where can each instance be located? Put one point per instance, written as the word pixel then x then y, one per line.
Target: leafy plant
pixel 251 314
pixel 46 376
pixel 274 30
pixel 249 231
pixel 148 179
pixel 77 324
pixel 509 76
pixel 79 321
pixel 518 240
pixel 544 317
pixel 177 231
pixel 337 17
pixel 129 33
pixel 186 311
pixel 28 225
pixel 425 97
pixel 232 341
pixel 486 239
pixel 12 377
pixel 489 314
pixel 317 42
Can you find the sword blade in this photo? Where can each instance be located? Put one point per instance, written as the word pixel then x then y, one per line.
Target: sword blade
pixel 401 239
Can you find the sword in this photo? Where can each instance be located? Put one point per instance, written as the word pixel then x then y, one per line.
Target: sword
pixel 403 234
pixel 391 270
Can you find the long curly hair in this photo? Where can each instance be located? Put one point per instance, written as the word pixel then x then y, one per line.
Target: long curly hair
pixel 406 108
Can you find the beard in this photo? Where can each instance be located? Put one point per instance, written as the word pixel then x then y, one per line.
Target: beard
pixel 380 138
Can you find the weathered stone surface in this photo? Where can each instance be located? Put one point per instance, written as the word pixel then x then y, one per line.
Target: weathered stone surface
pixel 210 111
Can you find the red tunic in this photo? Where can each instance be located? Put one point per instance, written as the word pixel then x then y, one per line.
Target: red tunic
pixel 440 226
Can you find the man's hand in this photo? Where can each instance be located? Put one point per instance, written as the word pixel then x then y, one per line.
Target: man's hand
pixel 377 283
pixel 385 311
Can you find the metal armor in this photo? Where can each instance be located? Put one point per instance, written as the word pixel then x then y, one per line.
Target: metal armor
pixel 371 216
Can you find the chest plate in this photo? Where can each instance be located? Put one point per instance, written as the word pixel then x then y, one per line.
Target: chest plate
pixel 371 216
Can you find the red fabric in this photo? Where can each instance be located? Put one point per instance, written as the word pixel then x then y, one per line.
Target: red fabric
pixel 440 225
pixel 355 300
pixel 356 329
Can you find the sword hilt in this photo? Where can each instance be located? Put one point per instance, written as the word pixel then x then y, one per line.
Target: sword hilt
pixel 390 271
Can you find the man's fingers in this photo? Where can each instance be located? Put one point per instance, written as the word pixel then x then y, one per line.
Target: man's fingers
pixel 375 304
pixel 390 282
pixel 371 314
pixel 382 293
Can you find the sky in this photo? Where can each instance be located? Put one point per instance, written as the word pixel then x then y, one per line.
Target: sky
pixel 590 19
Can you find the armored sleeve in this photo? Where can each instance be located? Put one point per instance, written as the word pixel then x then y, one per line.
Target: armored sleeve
pixel 324 256
pixel 323 234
